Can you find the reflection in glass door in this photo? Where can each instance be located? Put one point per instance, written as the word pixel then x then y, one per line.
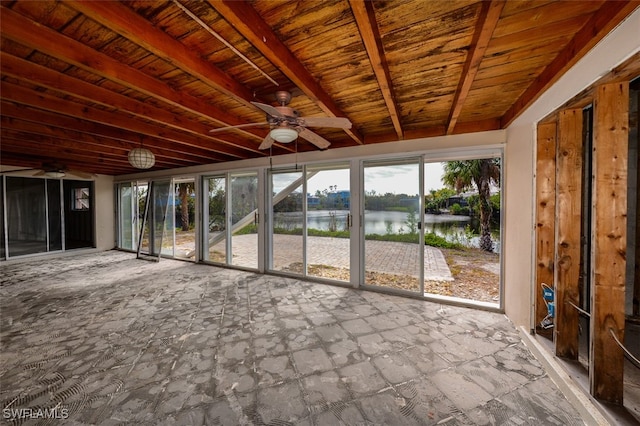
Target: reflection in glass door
pixel 215 220
pixel 131 203
pixel 243 214
pixel 230 212
pixel 287 221
pixel 153 226
pixel 393 252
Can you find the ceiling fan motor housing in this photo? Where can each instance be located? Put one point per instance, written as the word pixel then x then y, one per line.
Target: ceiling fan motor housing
pixel 289 117
pixel 283 97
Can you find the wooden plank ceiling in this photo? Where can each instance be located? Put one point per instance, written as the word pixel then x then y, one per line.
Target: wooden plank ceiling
pixel 84 82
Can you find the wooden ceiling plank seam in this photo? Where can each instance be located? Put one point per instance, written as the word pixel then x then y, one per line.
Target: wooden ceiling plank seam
pixel 487 21
pixel 243 17
pixel 126 22
pixel 549 13
pixel 47 102
pixel 50 42
pixel 60 82
pixel 364 15
pixel 118 136
pixel 211 31
pixel 605 19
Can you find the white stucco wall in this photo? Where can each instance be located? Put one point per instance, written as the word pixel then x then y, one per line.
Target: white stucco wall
pixel 518 224
pixel 105 212
pixel 519 264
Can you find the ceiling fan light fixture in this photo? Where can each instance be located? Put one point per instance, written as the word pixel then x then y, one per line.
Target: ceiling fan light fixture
pixel 54 174
pixel 283 134
pixel 141 158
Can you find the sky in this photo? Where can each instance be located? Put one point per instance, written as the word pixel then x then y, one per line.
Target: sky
pixel 395 179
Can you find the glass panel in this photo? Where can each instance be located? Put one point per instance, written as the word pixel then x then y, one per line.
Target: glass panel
pixel 287 222
pixel 78 223
pixel 216 236
pixel 391 226
pixel 162 196
pixel 126 206
pixel 244 231
pixel 154 220
pixel 168 236
pixel 55 214
pixel 26 216
pixel 462 225
pixel 328 204
pixel 185 216
pixel 142 224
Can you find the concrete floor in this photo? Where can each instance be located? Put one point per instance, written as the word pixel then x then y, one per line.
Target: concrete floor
pixel 105 339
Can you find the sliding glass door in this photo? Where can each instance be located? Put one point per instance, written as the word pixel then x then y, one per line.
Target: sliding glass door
pixel 215 219
pixel 287 221
pixel 310 221
pixel 230 219
pixel 132 198
pixel 154 230
pixel 181 221
pixel 242 217
pixel 328 221
pixel 392 219
pixel 27 218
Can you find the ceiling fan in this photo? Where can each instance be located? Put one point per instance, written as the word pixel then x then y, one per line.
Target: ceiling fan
pixel 54 170
pixel 286 123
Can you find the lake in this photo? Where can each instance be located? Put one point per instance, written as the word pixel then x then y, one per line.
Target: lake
pixel 452 228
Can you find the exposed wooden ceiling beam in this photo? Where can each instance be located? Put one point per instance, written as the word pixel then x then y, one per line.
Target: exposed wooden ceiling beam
pixel 62 150
pixel 40 157
pixel 485 25
pixel 70 139
pixel 52 103
pixel 46 77
pixel 96 133
pixel 43 39
pixel 367 25
pixel 243 17
pixel 124 21
pixel 610 14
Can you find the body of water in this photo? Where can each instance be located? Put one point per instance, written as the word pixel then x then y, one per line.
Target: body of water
pixel 452 228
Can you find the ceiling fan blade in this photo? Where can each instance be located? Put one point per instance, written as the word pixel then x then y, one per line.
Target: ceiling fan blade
pixel 314 138
pixel 80 174
pixel 237 126
pixel 266 142
pixel 40 173
pixel 271 110
pixel 331 122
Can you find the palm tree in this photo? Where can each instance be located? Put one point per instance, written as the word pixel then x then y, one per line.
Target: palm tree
pixel 463 175
pixel 185 189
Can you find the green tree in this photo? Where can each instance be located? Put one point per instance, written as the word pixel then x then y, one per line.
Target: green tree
pixel 464 175
pixel 185 189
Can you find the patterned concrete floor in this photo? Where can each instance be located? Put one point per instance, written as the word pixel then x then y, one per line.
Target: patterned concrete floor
pixel 107 339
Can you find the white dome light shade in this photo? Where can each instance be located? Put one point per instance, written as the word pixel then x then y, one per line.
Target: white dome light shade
pixel 283 134
pixel 141 158
pixel 55 174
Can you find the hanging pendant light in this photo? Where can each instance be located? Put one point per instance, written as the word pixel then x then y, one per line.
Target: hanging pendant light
pixel 141 158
